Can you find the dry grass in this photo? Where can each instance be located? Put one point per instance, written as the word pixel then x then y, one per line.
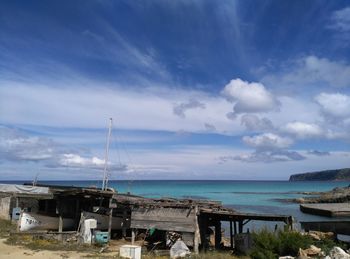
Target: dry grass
pixel 6 226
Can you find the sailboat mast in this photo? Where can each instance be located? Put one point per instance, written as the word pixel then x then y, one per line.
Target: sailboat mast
pixel 105 173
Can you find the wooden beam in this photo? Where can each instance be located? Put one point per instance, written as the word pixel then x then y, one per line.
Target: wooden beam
pixel 60 218
pixel 133 236
pixel 235 227
pixel 196 233
pixel 240 226
pixel 125 216
pixel 231 235
pixel 217 234
pixel 203 226
pixel 110 223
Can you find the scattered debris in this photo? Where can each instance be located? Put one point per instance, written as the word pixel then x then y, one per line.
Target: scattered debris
pixel 338 253
pixel 179 250
pixel 318 235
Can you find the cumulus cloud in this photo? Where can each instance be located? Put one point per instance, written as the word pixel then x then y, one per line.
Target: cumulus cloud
pixel 303 130
pixel 254 123
pixel 310 71
pixel 335 105
pixel 180 109
pixel 269 148
pixel 17 146
pixel 267 141
pixel 249 97
pixel 78 161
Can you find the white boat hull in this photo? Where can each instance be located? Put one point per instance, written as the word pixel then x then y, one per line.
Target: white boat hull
pixel 33 221
pixel 103 221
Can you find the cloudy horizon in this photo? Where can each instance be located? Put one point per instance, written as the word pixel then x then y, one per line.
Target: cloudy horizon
pixel 240 90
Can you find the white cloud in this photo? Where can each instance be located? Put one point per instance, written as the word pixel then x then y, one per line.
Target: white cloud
pixel 310 71
pixel 249 97
pixel 76 160
pixel 17 146
pixel 267 141
pixel 269 156
pixel 334 105
pixel 92 105
pixel 341 20
pixel 303 130
pixel 254 123
pixel 269 148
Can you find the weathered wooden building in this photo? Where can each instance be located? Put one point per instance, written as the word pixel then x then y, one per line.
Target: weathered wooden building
pixel 193 219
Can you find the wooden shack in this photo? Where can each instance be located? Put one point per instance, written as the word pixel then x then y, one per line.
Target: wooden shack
pixel 192 218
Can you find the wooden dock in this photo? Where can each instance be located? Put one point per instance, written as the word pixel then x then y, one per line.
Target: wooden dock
pixel 327 209
pixel 338 227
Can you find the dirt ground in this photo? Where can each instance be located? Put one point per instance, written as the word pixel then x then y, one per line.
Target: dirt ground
pixel 14 252
pixel 9 251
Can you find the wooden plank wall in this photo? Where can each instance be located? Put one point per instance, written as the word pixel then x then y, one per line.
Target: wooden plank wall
pixel 168 219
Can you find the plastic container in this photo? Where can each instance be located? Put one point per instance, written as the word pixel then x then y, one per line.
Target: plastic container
pixel 101 237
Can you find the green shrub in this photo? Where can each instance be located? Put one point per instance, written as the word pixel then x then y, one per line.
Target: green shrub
pixel 270 245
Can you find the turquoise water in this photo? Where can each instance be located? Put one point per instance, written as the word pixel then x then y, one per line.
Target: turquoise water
pixel 247 196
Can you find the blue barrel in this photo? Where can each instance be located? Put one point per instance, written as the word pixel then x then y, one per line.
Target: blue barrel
pixel 101 237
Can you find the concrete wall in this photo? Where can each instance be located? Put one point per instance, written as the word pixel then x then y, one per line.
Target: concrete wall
pixel 5 204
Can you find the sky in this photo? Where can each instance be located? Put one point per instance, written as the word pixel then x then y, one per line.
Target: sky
pixel 239 90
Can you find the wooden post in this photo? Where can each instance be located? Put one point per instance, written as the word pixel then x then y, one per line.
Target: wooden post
pixel 60 223
pixel 231 237
pixel 60 219
pixel 240 226
pixel 77 209
pixel 110 223
pixel 125 216
pixel 203 227
pixel 217 234
pixel 133 236
pixel 196 232
pixel 235 227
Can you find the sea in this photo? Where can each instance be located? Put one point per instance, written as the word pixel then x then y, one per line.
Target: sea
pixel 246 196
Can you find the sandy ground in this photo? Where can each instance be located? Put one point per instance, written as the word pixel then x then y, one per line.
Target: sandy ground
pixel 14 252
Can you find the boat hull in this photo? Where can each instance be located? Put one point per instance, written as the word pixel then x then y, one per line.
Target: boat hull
pixel 33 221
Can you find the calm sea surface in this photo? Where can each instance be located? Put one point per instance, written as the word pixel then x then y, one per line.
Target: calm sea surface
pixel 246 196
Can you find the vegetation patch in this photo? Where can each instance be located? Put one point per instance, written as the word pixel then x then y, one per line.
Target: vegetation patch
pixel 270 245
pixel 6 226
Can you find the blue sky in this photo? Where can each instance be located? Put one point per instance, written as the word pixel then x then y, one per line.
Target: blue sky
pixel 197 89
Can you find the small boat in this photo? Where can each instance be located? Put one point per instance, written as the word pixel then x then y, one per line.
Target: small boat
pixel 103 220
pixel 33 221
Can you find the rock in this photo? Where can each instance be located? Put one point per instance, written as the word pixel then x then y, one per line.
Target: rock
pixel 302 254
pixel 318 235
pixel 179 250
pixel 286 257
pixel 311 251
pixel 338 253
